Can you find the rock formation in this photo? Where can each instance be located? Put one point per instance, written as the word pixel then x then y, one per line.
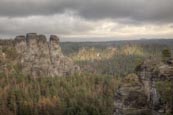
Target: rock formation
pixel 39 57
pixel 138 94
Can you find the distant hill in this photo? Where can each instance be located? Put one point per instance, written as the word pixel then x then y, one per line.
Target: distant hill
pixel 68 47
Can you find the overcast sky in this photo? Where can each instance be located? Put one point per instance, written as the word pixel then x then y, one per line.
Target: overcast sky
pixel 88 19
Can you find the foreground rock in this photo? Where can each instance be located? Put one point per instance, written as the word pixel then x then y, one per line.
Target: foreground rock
pixel 138 94
pixel 38 57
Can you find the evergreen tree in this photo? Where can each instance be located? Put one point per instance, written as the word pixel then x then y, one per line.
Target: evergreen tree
pixel 166 54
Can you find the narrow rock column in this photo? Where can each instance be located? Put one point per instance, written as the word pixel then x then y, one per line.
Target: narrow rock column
pixel 54 48
pixel 21 48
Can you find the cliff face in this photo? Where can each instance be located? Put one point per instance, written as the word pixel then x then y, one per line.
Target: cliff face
pixel 138 92
pixel 39 57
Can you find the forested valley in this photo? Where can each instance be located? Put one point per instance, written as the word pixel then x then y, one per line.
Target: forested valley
pixel 103 65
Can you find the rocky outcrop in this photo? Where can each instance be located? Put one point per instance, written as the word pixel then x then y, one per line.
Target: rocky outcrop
pixel 138 94
pixel 130 96
pixel 39 57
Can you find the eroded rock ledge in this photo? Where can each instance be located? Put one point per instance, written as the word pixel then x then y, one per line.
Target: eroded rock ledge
pixel 39 57
pixel 138 94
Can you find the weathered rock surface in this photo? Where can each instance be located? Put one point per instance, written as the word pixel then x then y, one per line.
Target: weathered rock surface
pixel 138 93
pixel 39 57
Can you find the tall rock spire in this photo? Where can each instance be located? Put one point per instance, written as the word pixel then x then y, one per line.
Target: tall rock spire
pixel 40 57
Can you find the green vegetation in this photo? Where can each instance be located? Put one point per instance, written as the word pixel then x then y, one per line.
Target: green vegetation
pixel 165 89
pixel 166 54
pixel 84 94
pixel 116 61
pixel 90 93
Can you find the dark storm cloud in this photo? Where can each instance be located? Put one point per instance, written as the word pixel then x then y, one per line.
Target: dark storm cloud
pixel 131 11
